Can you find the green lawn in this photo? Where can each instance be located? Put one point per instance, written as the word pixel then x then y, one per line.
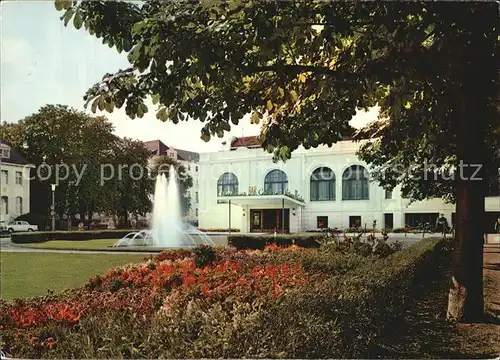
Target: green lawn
pixel 32 274
pixel 100 244
pixel 68 244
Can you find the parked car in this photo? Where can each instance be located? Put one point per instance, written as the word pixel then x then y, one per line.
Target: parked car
pixel 21 226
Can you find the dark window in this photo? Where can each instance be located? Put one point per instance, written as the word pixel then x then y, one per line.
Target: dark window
pixel 355 183
pixel 388 194
pixel 227 185
pixel 355 221
pixel 275 182
pixel 388 221
pixel 196 169
pixel 322 222
pixel 420 219
pixel 322 184
pixel 5 176
pixel 5 205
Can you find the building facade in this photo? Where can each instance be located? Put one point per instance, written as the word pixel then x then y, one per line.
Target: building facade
pixel 241 187
pixel 190 160
pixel 15 184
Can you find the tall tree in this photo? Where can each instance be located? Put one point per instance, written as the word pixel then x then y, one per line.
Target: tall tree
pixel 132 182
pixel 305 68
pixel 161 165
pixel 65 143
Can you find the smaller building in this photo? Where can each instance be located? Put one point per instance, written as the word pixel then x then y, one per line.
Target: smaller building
pixel 189 160
pixel 15 184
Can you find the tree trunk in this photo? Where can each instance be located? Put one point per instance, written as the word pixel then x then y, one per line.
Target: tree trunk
pixel 465 301
pixel 90 216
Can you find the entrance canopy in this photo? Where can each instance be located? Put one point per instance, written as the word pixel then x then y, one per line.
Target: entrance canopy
pixel 262 200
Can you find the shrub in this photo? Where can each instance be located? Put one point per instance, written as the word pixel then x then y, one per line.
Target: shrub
pixel 400 230
pixel 259 242
pixel 241 242
pixel 218 230
pixel 327 230
pixel 343 317
pixel 203 256
pixel 29 238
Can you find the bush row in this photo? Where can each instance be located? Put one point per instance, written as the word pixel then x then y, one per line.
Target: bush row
pixel 259 242
pixel 357 230
pixel 347 315
pixel 39 237
pixel 219 230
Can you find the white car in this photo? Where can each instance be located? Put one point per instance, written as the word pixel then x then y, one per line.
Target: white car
pixel 21 226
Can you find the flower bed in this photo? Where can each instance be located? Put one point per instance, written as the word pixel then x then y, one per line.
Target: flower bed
pixel 222 302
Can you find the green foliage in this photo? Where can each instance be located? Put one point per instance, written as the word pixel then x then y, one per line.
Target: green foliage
pixel 241 242
pixel 305 68
pixel 37 237
pixel 204 255
pixel 58 135
pixel 130 186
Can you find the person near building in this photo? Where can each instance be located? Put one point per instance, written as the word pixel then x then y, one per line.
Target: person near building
pixel 442 225
pixel 497 226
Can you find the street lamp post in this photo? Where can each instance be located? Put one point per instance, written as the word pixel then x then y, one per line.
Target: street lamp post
pixel 53 207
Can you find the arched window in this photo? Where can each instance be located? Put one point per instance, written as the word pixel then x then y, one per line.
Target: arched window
pixel 322 184
pixel 227 185
pixel 355 183
pixel 19 205
pixel 276 182
pixel 5 205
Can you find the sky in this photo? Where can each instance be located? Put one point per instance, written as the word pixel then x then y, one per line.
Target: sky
pixel 43 62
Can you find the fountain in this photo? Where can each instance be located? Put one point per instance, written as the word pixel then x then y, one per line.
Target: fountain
pixel 167 230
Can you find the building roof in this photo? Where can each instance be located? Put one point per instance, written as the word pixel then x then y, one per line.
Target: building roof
pixel 253 141
pixel 157 147
pixel 15 156
pixel 246 141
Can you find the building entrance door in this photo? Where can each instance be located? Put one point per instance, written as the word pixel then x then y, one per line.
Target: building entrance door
pixel 270 220
pixel 388 221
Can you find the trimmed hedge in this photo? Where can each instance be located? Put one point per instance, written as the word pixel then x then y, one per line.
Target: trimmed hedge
pixel 39 237
pixel 348 315
pixel 219 230
pixel 259 242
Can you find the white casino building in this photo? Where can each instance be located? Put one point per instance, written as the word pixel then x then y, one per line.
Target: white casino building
pixel 241 188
